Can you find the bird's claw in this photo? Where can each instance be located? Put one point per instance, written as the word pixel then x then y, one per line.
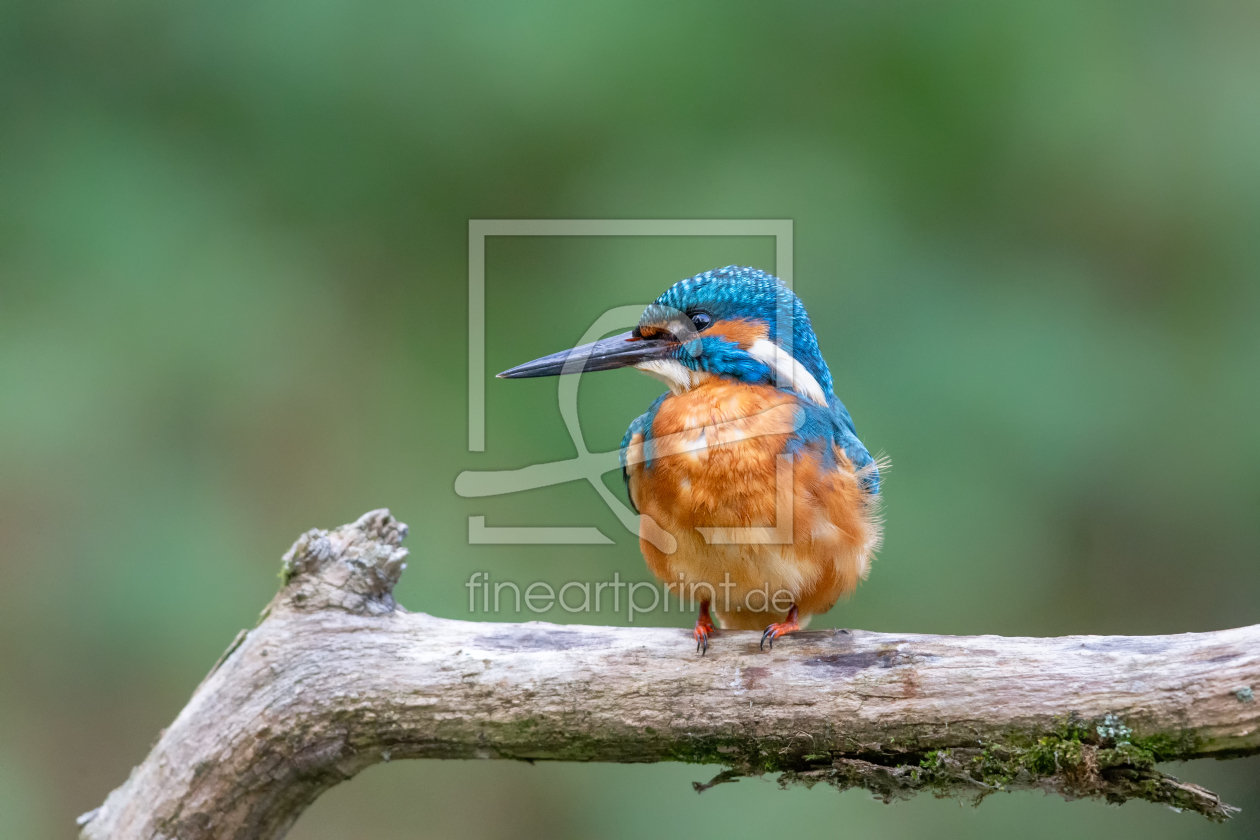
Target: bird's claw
pixel 704 629
pixel 780 628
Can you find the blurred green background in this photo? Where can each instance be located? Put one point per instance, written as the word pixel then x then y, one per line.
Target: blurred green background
pixel 233 306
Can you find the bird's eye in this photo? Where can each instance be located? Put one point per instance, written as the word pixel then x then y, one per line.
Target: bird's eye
pixel 701 320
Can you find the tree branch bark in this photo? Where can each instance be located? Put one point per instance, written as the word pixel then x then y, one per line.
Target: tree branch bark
pixel 336 677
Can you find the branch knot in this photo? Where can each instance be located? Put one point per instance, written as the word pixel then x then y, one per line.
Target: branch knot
pixel 353 568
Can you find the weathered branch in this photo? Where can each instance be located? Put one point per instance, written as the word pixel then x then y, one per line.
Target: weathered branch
pixel 336 677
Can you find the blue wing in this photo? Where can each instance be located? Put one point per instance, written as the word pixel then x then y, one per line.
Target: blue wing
pixel 845 436
pixel 641 425
pixel 833 423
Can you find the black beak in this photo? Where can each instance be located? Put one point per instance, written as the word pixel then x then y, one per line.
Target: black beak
pixel 619 351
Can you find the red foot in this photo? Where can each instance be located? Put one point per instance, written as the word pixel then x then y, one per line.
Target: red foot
pixel 704 629
pixel 781 628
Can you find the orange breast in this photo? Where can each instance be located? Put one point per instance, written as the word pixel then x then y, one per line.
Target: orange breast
pixel 756 531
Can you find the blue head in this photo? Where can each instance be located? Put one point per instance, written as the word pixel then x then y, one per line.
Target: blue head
pixel 740 323
pixel 735 323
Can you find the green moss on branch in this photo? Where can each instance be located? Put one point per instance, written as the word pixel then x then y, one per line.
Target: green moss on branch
pixel 1078 760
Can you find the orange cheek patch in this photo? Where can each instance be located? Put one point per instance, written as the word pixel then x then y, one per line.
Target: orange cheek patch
pixel 741 331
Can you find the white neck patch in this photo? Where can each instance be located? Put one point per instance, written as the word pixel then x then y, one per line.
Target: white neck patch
pixel 790 372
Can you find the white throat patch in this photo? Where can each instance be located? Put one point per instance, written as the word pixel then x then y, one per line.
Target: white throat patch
pixel 676 375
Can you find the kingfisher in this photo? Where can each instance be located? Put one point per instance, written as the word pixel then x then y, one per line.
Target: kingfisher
pixel 755 495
